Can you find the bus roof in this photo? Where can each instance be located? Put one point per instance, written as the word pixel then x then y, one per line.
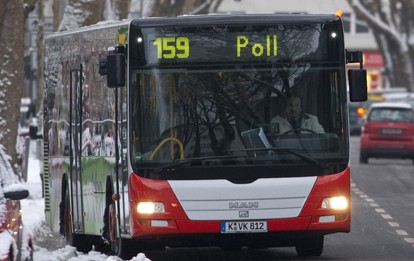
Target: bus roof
pixel 206 19
pixel 99 25
pixel 235 19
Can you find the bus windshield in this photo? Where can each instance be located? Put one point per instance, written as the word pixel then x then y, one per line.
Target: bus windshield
pixel 188 115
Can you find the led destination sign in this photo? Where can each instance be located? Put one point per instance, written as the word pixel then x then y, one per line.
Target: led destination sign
pixel 204 45
pixel 220 48
pixel 217 47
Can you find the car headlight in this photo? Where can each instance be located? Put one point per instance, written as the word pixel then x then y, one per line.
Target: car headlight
pixel 150 207
pixel 338 203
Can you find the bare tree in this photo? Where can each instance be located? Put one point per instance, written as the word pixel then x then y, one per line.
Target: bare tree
pixel 13 15
pixel 120 8
pixel 40 54
pixel 56 5
pixel 180 7
pixel 80 13
pixel 392 23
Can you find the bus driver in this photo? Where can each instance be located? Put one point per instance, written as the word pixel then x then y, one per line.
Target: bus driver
pixel 295 119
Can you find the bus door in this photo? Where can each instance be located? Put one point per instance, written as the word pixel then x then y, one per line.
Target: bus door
pixel 122 169
pixel 75 135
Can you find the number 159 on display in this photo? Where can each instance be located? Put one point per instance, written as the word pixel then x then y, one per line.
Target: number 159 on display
pixel 172 47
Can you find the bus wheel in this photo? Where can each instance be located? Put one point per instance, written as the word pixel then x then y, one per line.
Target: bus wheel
pixel 113 237
pixel 119 246
pixel 76 240
pixel 310 247
pixel 67 219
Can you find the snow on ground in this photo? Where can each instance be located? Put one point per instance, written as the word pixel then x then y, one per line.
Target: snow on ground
pixel 34 221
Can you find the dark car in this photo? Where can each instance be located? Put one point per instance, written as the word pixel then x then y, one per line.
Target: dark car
pixel 356 117
pixel 15 242
pixel 388 132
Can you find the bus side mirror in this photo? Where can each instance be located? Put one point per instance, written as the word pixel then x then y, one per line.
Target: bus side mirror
pixel 113 66
pixel 357 85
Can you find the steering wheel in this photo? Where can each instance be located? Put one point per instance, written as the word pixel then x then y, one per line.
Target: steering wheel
pixel 300 130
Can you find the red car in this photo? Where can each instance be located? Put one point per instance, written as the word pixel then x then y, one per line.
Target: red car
pixel 15 242
pixel 388 132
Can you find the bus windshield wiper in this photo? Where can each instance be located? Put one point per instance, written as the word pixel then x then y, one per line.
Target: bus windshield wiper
pixel 305 158
pixel 177 163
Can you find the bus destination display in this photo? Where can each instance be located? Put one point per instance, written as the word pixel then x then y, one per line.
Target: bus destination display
pixel 217 47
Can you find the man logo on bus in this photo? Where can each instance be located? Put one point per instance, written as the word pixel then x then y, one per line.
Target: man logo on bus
pixel 243 204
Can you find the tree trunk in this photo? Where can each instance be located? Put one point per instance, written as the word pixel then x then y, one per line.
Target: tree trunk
pixel 12 19
pixel 56 5
pixel 40 54
pixel 80 13
pixel 396 64
pixel 121 8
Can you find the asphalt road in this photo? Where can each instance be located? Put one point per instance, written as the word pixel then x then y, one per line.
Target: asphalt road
pixel 382 221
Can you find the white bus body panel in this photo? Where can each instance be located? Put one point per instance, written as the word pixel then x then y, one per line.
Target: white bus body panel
pixel 224 200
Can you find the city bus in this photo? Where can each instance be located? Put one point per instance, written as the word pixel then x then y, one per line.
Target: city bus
pixel 158 132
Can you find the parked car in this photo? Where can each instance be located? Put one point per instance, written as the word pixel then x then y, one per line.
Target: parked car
pixel 388 132
pixel 15 241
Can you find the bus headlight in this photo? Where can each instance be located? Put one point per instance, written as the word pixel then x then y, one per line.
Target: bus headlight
pixel 338 203
pixel 150 207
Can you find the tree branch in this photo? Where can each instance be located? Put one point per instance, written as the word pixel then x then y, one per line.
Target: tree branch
pixel 376 21
pixel 201 7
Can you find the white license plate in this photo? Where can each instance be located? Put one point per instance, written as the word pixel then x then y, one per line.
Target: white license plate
pixel 243 226
pixel 391 131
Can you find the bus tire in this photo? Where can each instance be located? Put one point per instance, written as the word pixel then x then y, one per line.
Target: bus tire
pixel 112 229
pixel 119 246
pixel 76 240
pixel 109 231
pixel 310 247
pixel 126 249
pixel 67 219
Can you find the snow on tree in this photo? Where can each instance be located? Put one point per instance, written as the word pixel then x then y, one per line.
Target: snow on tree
pixel 173 7
pixel 12 19
pixel 392 23
pixel 80 13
